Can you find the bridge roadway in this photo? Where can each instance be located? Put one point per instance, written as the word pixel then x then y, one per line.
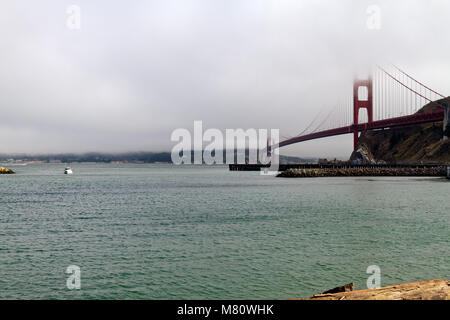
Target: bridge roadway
pixel 416 118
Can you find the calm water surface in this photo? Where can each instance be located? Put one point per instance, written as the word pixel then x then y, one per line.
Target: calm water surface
pixel 164 232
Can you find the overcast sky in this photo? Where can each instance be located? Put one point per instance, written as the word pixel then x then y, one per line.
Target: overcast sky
pixel 137 70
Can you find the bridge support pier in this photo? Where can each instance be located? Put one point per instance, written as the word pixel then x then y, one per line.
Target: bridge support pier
pixel 355 139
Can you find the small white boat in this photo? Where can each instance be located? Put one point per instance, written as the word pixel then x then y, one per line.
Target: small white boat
pixel 68 170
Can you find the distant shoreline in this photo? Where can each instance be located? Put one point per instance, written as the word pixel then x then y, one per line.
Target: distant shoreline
pixel 20 163
pixel 92 157
pixel 117 158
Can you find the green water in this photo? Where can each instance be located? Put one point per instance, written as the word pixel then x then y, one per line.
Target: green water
pixel 164 232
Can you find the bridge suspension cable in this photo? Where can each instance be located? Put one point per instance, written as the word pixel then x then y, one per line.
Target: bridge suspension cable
pixel 400 94
pixel 418 82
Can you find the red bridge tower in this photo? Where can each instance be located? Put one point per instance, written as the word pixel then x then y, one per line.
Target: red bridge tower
pixel 358 104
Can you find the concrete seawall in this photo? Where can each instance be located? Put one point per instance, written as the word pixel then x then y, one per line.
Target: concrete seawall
pixel 284 167
pixel 440 171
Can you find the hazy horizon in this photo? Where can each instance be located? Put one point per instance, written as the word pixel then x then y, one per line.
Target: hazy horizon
pixel 135 72
pixel 125 153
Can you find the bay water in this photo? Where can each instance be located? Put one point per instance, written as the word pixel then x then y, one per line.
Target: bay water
pixel 157 231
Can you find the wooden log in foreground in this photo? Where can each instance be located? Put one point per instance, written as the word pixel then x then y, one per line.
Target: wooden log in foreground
pixel 422 290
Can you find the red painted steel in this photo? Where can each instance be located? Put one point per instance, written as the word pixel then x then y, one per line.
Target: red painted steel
pixel 358 104
pixel 416 118
pixel 362 104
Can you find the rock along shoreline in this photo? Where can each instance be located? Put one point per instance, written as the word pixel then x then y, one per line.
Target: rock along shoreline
pixel 6 171
pixel 436 289
pixel 365 172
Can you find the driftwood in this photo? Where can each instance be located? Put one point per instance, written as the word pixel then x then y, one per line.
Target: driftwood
pixel 422 290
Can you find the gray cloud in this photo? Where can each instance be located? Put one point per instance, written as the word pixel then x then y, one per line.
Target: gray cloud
pixel 138 70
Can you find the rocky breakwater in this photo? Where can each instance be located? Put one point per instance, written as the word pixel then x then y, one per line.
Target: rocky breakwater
pixel 365 172
pixel 5 171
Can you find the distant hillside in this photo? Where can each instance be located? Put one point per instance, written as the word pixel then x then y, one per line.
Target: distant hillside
pixel 139 157
pixel 411 144
pixel 132 157
pixel 296 160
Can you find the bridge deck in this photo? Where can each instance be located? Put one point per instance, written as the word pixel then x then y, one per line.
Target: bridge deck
pixel 416 118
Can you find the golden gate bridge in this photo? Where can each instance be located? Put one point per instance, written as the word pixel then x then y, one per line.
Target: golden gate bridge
pixel 391 97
